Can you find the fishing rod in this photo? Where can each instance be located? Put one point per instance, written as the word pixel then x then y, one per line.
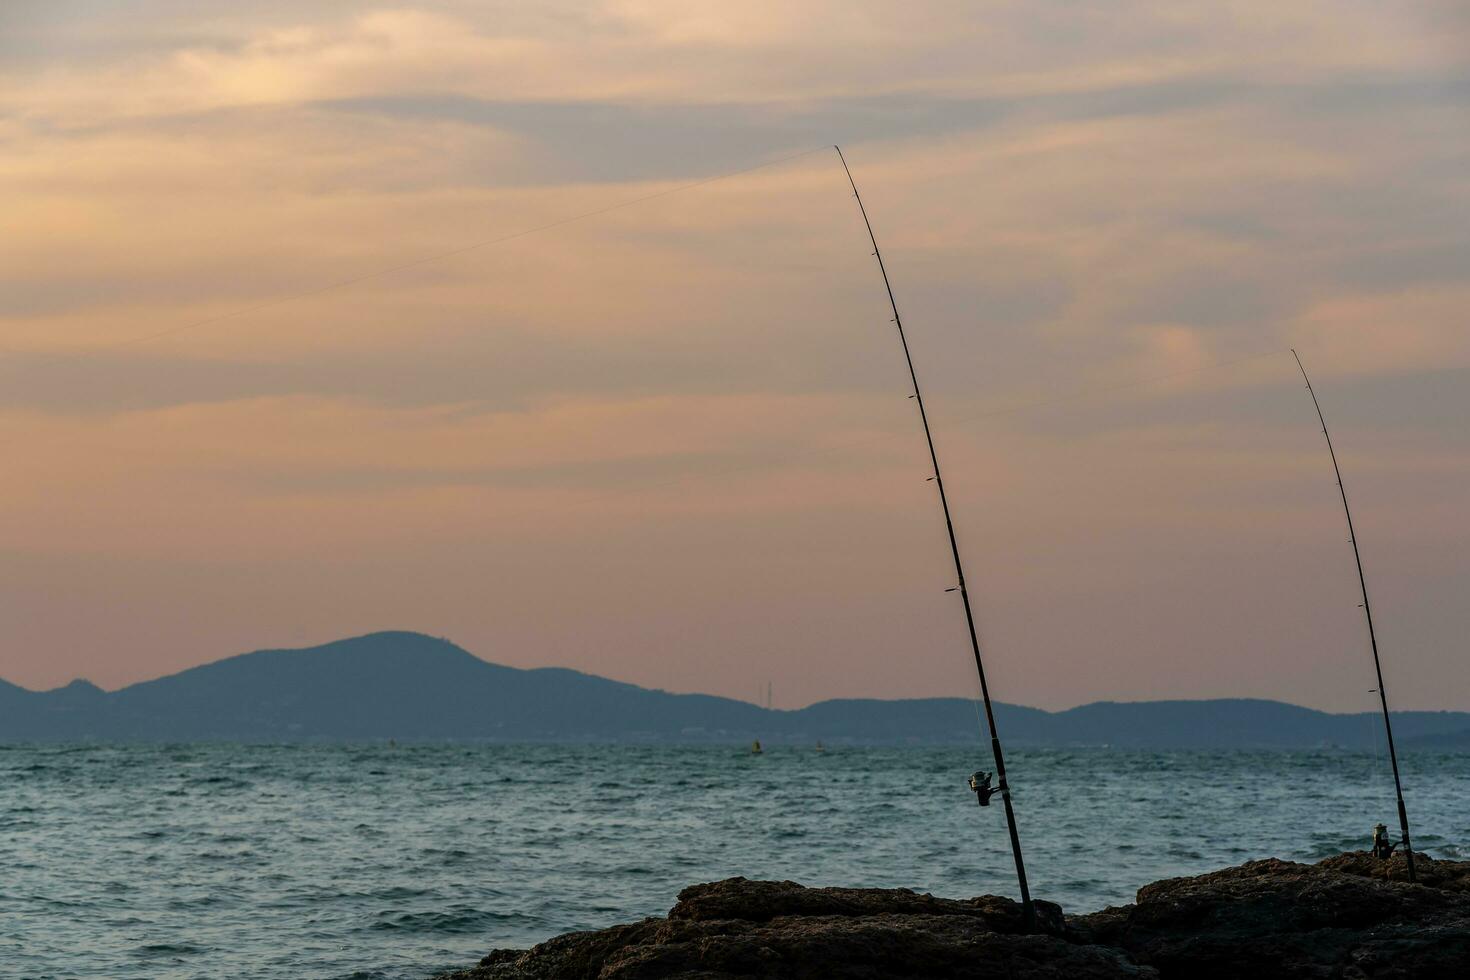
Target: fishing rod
pixel 980 781
pixel 1393 758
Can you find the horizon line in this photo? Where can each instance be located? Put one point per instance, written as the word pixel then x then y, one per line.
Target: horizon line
pixel 419 635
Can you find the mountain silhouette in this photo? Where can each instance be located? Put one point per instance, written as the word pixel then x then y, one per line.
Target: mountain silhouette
pixel 410 686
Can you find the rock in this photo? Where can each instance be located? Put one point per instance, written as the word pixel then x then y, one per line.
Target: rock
pixel 1447 875
pixel 761 901
pixel 1349 916
pixel 780 929
pixel 1280 919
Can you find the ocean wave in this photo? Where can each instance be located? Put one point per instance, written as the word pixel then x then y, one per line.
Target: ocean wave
pixel 153 950
pixel 303 863
pixel 453 920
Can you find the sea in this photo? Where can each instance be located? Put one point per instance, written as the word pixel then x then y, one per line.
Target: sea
pixel 394 862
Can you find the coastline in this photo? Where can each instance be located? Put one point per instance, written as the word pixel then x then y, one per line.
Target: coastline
pixel 1350 916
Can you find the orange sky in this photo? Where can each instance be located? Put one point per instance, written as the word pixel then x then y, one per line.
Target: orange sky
pixel 670 443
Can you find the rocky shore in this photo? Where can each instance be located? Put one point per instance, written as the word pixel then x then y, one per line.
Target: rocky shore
pixel 1349 916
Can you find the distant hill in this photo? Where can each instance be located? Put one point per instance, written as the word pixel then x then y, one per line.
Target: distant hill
pixel 1459 740
pixel 411 686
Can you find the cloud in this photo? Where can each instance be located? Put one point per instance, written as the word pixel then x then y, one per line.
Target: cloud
pixel 700 401
pixel 705 53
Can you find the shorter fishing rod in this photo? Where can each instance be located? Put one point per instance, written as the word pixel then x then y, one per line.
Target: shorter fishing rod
pixel 980 781
pixel 1393 758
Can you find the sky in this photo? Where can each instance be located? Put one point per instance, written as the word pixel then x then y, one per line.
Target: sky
pixel 319 318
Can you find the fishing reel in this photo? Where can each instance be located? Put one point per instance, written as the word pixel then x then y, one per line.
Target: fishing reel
pixel 980 786
pixel 1383 847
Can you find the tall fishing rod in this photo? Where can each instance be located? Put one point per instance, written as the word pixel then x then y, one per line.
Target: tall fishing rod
pixel 1393 758
pixel 980 782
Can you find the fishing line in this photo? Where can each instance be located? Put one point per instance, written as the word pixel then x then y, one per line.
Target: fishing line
pixel 424 260
pixel 979 721
pixel 1380 753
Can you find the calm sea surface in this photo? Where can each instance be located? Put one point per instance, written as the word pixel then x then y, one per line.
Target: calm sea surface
pixel 295 862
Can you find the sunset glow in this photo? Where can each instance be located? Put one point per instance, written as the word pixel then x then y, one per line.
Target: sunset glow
pixel 670 443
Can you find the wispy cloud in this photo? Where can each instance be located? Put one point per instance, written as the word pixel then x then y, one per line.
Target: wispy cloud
pixel 697 397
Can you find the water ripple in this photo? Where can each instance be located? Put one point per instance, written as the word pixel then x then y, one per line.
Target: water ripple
pixel 375 862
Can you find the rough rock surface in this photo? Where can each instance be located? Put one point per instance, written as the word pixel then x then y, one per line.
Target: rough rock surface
pixel 1339 918
pixel 1453 876
pixel 1349 916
